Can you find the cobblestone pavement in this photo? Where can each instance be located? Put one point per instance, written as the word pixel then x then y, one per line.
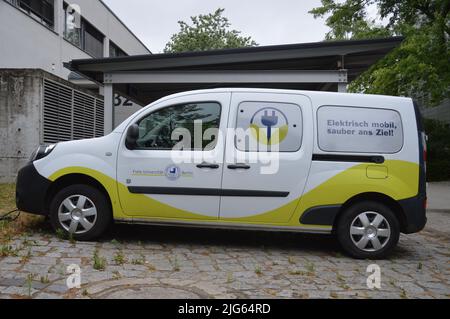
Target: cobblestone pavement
pixel 153 262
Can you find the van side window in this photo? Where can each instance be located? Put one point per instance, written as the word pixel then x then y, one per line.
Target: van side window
pixel 175 127
pixel 359 130
pixel 269 127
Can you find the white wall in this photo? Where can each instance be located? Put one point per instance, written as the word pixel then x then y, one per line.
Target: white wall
pixel 25 43
pixel 98 14
pixel 20 121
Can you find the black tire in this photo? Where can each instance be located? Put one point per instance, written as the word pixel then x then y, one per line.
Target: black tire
pixel 347 241
pixel 97 198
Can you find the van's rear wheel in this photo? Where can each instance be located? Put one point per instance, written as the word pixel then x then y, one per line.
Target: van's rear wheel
pixel 80 211
pixel 368 230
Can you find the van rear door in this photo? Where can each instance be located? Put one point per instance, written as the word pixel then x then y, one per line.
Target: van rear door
pixel 268 159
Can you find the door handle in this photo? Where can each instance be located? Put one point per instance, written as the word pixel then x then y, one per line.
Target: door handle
pixel 206 165
pixel 239 166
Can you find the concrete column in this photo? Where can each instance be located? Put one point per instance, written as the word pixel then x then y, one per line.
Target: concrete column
pixel 342 87
pixel 59 17
pixel 108 90
pixel 343 79
pixel 106 47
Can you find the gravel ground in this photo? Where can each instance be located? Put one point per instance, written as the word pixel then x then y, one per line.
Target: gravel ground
pixel 155 262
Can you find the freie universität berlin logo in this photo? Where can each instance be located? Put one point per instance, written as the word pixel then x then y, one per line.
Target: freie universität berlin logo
pixel 269 126
pixel 173 172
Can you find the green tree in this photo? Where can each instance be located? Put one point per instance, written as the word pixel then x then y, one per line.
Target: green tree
pixel 207 32
pixel 420 66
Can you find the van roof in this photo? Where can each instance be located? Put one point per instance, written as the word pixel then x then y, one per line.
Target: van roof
pixel 285 91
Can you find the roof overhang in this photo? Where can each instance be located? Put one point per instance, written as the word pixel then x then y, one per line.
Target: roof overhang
pixel 148 77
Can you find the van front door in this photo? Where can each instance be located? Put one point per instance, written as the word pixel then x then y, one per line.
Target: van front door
pixel 268 160
pixel 175 171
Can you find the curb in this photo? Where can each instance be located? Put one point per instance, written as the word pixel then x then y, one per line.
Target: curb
pixel 438 211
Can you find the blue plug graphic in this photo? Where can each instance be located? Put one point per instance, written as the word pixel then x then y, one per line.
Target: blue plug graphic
pixel 269 121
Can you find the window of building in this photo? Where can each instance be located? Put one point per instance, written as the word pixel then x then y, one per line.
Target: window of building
pixel 82 34
pixel 269 127
pixel 92 40
pixel 115 51
pixel 72 28
pixel 359 130
pixel 177 125
pixel 41 10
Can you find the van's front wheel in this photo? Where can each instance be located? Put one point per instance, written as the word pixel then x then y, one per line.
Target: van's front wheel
pixel 80 211
pixel 368 230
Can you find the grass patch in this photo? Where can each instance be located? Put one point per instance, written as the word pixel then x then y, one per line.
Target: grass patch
pixel 310 268
pixel 45 280
pixel 24 224
pixel 26 258
pixel 7 251
pixel 334 295
pixel 99 262
pixel 403 294
pixel 296 273
pixel 29 283
pixel 139 261
pixel 116 275
pixel 176 265
pixel 119 258
pixel 7 197
pixel 60 234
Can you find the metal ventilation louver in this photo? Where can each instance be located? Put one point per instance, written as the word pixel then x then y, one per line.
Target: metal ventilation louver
pixel 70 114
pixel 99 118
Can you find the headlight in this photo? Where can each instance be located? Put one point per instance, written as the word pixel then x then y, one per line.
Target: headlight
pixel 41 152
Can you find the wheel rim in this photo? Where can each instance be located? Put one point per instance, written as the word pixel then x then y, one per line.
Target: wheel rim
pixel 370 231
pixel 77 214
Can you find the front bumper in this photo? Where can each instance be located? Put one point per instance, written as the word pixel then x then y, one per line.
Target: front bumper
pixel 31 191
pixel 415 214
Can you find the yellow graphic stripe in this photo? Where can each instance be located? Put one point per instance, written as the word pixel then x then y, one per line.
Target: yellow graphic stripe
pixel 108 183
pixel 278 134
pixel 401 183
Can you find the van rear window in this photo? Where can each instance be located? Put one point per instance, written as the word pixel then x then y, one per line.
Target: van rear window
pixel 359 130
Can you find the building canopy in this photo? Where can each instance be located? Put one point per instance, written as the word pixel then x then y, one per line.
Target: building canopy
pixel 320 66
pixel 145 78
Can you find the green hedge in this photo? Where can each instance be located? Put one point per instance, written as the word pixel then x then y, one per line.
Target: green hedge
pixel 438 150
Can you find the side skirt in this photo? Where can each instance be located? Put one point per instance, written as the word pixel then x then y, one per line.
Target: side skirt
pixel 224 225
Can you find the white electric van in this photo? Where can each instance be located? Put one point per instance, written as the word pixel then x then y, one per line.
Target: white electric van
pixel 347 164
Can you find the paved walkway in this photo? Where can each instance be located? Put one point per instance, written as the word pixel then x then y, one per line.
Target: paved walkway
pixel 439 196
pixel 151 262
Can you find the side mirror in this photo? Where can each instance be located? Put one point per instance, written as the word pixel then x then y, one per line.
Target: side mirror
pixel 132 136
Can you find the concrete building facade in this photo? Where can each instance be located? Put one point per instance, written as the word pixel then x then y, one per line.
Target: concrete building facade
pixel 37 107
pixel 44 34
pixel 41 101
